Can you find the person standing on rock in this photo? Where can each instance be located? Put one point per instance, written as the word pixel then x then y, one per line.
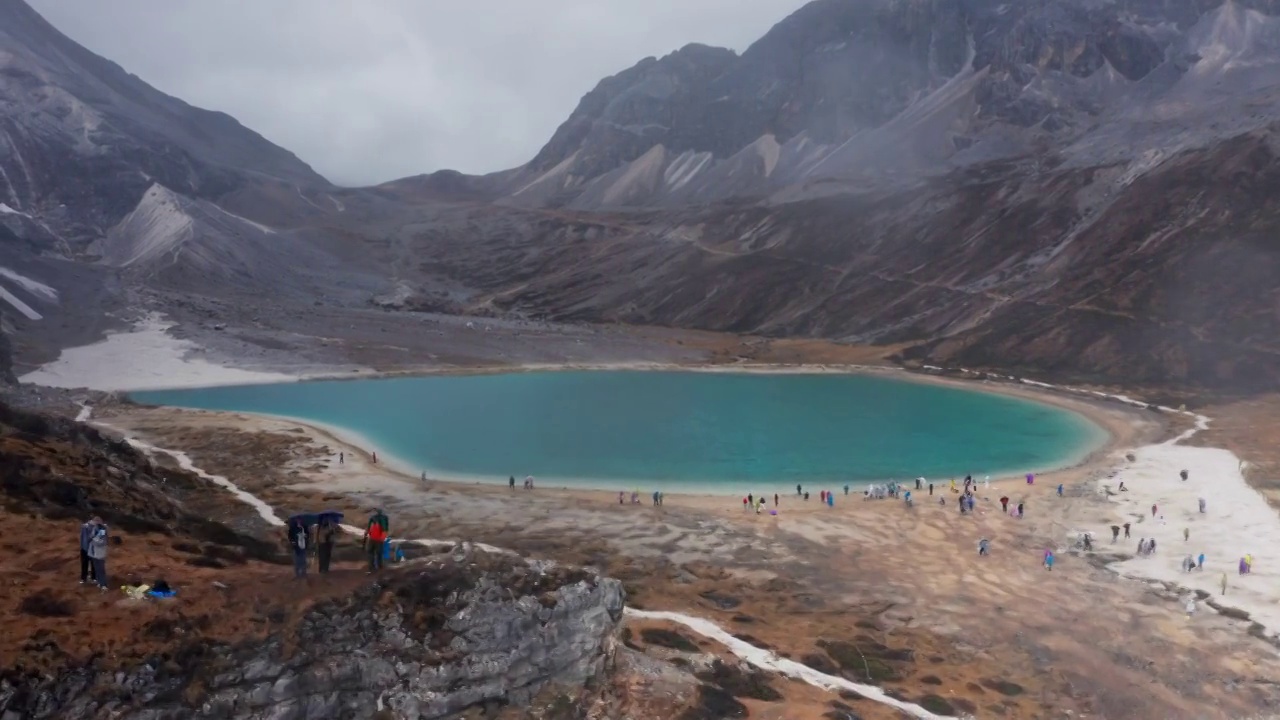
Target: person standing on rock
pixel 326 538
pixel 298 543
pixel 86 563
pixel 1126 531
pixel 375 534
pixel 98 552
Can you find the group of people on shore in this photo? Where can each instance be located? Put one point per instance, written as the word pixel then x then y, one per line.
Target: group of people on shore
pixel 657 497
pixel 323 536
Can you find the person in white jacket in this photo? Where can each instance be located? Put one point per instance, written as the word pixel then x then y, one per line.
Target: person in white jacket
pixel 98 551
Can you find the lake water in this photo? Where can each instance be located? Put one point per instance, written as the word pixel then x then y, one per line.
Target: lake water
pixel 676 430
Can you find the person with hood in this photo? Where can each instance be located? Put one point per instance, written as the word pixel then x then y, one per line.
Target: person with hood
pixel 983 546
pixel 375 534
pixel 298 542
pixel 86 563
pixel 97 551
pixel 326 538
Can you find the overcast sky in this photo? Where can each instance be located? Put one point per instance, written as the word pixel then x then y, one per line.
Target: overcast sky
pixel 370 90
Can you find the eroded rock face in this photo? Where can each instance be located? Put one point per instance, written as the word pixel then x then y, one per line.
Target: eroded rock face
pixel 6 360
pixel 429 642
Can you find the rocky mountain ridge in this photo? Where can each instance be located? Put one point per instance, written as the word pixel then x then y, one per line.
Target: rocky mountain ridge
pixel 1059 188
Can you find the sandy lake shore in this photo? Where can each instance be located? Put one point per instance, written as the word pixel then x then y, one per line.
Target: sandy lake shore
pixel 1102 635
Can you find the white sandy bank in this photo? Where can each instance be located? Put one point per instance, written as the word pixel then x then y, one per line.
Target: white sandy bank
pixel 145 358
pixel 1237 521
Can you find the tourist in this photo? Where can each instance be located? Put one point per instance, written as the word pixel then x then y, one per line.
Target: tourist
pixel 1122 487
pixel 375 458
pixel 1020 509
pixel 511 482
pixel 1115 534
pixel 326 539
pixel 424 476
pixel 846 490
pixel 656 497
pixel 635 497
pixel 1243 566
pixel 342 457
pixel 1059 489
pixel 1142 546
pixel 983 546
pixel 376 532
pixel 1187 564
pixel 930 488
pixel 758 506
pixel 822 496
pixel 797 491
pixel 622 498
pixel 831 499
pixel 907 498
pixel 1004 504
pixel 1151 546
pixel 751 499
pixel 775 499
pixel 1248 563
pixel 1126 531
pixel 745 503
pixel 1224 583
pixel 806 496
pixel 98 551
pixel 1153 511
pixel 1202 505
pixel 1048 559
pixel 1200 562
pixel 1186 534
pixel 298 543
pixel 1184 475
pixel 661 496
pixel 86 562
pixel 953 485
pixel 919 483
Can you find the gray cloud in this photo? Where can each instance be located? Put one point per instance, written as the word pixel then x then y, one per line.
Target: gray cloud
pixel 371 90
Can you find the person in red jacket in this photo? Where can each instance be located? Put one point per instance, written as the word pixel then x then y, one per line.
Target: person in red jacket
pixel 375 534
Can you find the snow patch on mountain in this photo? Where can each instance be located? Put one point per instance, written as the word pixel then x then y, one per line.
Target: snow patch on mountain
pixel 32 286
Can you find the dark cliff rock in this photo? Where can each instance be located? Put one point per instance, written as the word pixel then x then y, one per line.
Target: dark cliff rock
pixel 6 358
pixel 429 642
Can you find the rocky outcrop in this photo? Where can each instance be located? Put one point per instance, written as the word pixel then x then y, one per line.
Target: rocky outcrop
pixel 429 642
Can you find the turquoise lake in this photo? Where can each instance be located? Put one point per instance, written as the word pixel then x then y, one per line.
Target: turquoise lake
pixel 676 430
